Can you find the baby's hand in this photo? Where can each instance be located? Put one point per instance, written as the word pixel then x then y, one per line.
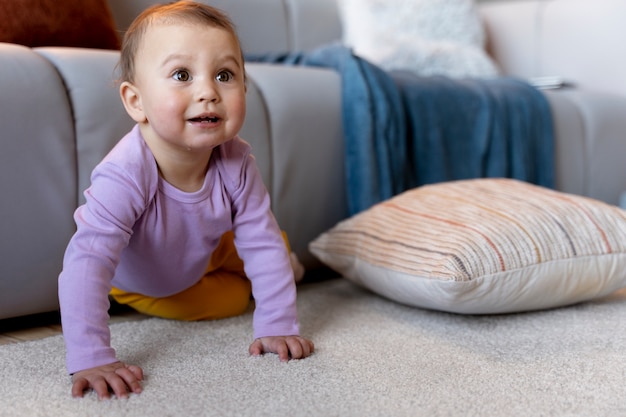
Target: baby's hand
pixel 295 347
pixel 118 377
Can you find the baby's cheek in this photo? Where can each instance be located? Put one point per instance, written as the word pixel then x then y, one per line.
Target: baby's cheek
pixel 239 109
pixel 170 107
pixel 167 112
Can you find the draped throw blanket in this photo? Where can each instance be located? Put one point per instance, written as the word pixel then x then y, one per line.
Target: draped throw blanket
pixel 403 131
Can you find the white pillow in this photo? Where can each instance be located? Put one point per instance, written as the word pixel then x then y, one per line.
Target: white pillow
pixel 428 37
pixel 482 246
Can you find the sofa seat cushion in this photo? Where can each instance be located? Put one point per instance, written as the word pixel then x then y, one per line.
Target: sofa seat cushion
pixel 482 246
pixel 77 23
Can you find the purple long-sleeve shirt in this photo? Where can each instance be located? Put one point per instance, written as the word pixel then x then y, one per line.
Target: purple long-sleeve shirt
pixel 140 234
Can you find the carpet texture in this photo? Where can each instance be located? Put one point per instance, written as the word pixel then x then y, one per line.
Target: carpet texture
pixel 373 358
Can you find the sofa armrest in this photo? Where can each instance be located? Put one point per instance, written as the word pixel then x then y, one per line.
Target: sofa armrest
pixel 590 143
pixel 37 181
pixel 579 41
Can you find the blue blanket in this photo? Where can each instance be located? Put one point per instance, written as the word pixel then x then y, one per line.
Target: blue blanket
pixel 403 131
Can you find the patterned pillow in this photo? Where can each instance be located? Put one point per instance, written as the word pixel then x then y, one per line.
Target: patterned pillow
pixel 482 246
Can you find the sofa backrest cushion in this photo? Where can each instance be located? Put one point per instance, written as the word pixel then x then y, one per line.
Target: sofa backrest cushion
pixel 263 26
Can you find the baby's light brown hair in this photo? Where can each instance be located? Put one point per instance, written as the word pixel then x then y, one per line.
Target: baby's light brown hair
pixel 181 11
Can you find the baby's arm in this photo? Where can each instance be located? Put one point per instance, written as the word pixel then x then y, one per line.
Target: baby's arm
pixel 104 226
pixel 261 246
pixel 117 377
pixel 294 347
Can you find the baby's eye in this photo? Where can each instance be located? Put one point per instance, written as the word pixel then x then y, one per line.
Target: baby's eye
pixel 181 75
pixel 224 76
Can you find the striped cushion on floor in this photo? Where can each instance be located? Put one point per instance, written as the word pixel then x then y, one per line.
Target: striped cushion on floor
pixel 482 246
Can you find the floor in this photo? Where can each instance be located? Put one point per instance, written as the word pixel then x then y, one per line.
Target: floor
pixel 39 326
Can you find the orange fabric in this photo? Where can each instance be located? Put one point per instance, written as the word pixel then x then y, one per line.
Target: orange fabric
pixel 215 296
pixel 223 291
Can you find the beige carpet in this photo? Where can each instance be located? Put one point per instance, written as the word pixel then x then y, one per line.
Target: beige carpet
pixel 374 358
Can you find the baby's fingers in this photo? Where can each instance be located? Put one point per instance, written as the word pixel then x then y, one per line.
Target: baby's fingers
pixel 116 377
pixel 98 384
pixel 101 387
pixel 129 381
pixel 299 347
pixel 256 348
pixel 79 386
pixel 286 347
pixel 282 349
pixel 270 344
pixel 137 371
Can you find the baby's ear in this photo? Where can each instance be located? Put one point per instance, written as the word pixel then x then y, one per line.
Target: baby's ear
pixel 132 101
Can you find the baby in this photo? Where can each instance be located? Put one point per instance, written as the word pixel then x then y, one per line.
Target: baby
pixel 177 222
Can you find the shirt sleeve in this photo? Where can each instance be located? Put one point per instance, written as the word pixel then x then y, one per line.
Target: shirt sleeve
pixel 260 245
pixel 104 226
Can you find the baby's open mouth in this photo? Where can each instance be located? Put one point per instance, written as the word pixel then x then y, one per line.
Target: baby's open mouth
pixel 205 119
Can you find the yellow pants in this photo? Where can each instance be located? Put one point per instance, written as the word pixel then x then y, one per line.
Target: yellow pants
pixel 223 291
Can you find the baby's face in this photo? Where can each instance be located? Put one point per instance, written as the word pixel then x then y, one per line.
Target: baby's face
pixel 190 80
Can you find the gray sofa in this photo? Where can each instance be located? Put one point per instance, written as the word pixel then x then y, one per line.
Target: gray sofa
pixel 60 114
